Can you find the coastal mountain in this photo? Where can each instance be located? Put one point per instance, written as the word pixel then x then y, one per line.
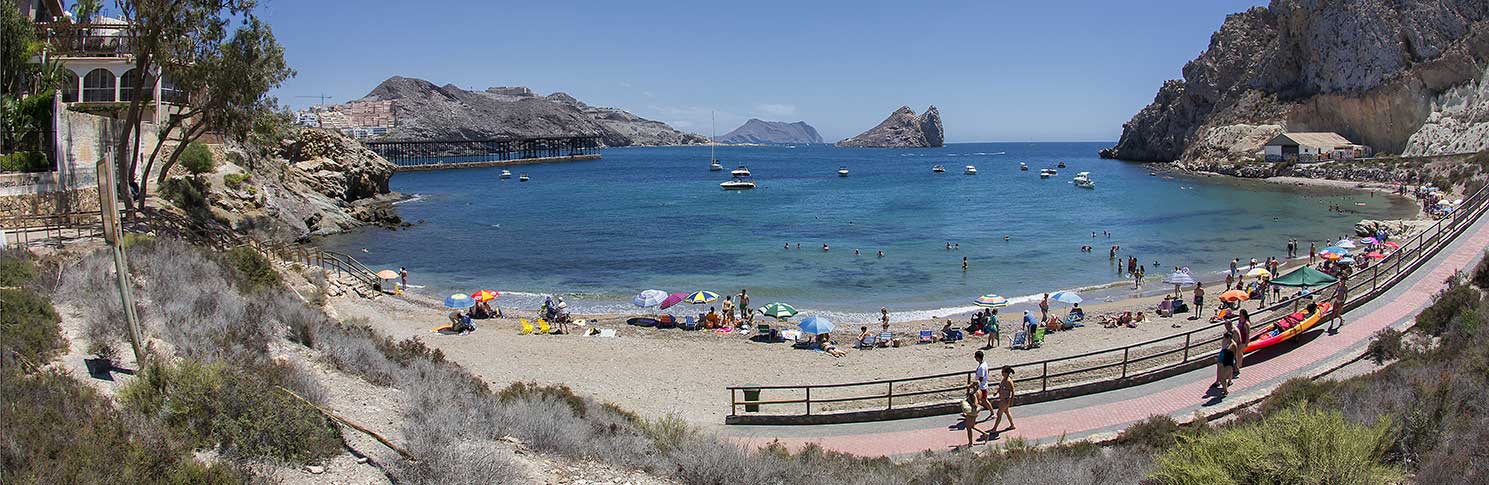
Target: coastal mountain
pixel 903 129
pixel 1400 76
pixel 429 112
pixel 772 132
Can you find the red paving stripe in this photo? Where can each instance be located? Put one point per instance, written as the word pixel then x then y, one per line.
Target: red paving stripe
pixel 1047 427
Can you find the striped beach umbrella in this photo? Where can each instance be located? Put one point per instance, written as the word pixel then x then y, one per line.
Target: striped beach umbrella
pixel 1369 240
pixel 485 295
pixel 1258 272
pixel 990 300
pixel 649 298
pixel 701 297
pixel 459 301
pixel 778 310
pixel 1334 249
pixel 1179 278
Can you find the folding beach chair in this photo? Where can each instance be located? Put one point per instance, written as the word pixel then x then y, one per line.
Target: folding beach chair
pixel 1039 337
pixel 764 333
pixel 689 323
pixel 868 342
pixel 1018 339
pixel 543 327
pixel 886 339
pixel 527 328
pixel 927 336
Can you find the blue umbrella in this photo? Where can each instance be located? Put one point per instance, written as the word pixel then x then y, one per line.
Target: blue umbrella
pixel 649 298
pixel 1335 250
pixel 1066 297
pixel 459 301
pixel 816 325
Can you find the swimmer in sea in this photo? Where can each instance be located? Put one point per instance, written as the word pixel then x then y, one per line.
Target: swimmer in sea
pixel 881 253
pixel 1005 238
pixel 824 248
pixel 855 251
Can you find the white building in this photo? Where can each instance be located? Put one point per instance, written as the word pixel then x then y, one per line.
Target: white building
pixel 1312 146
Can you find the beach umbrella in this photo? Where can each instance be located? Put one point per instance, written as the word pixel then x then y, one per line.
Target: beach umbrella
pixel 1304 277
pixel 1179 278
pixel 485 295
pixel 1066 297
pixel 1258 273
pixel 816 325
pixel 700 297
pixel 1374 255
pixel 1346 259
pixel 387 274
pixel 778 310
pixel 1369 240
pixel 1345 243
pixel 649 298
pixel 459 301
pixel 1335 250
pixel 1235 295
pixel 990 301
pixel 1331 256
pixel 1391 244
pixel 673 299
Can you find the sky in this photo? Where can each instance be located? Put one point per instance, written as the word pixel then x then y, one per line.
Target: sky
pixel 1071 70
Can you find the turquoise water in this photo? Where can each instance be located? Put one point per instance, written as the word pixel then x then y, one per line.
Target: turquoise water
pixel 643 218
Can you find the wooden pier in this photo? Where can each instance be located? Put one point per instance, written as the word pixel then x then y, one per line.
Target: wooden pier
pixel 421 155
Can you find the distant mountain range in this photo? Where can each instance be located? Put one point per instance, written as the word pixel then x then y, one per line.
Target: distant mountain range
pixel 772 132
pixel 902 129
pixel 428 112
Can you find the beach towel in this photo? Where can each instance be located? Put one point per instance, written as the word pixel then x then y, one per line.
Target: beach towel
pixel 607 332
pixel 724 330
pixel 442 328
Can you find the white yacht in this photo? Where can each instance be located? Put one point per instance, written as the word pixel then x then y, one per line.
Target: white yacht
pixel 1023 167
pixel 1046 173
pixel 522 178
pixel 713 157
pixel 938 169
pixel 1083 180
pixel 842 171
pixel 738 183
pixel 506 174
pixel 740 171
pixel 715 166
pixel 970 170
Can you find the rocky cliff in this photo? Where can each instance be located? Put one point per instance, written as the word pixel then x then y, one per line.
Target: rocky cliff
pixel 903 129
pixel 772 132
pixel 426 111
pixel 1375 71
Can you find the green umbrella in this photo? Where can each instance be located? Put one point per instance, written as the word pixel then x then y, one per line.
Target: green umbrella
pixel 778 310
pixel 1304 277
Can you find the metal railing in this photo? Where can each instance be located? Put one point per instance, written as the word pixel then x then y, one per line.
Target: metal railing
pixel 1088 372
pixel 93 40
pixel 331 261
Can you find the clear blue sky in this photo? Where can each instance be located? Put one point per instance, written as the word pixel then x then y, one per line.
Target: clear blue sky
pixel 997 70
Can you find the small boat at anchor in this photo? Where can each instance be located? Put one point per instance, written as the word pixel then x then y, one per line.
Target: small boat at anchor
pixel 938 169
pixel 970 170
pixel 737 183
pixel 1083 180
pixel 506 174
pixel 842 171
pixel 1045 173
pixel 715 166
pixel 740 171
pixel 1061 165
pixel 1023 167
pixel 522 178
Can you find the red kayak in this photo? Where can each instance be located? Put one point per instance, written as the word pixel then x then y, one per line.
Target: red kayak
pixel 1290 326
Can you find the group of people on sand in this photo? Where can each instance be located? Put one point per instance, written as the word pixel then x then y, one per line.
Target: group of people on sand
pixel 978 398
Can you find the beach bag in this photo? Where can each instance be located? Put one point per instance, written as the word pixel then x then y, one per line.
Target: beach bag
pixel 967 407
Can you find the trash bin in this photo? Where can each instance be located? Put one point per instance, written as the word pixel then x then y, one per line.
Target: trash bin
pixel 752 394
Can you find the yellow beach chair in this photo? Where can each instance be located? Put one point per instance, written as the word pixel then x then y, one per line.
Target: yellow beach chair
pixel 543 327
pixel 527 328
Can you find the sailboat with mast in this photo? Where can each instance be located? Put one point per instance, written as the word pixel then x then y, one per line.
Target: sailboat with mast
pixel 713 165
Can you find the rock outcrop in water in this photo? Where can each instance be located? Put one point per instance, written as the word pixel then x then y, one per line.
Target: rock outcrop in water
pixel 772 132
pixel 903 129
pixel 1376 71
pixel 426 111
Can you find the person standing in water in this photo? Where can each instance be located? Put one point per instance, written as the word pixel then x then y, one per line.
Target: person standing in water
pixel 964 264
pixel 402 278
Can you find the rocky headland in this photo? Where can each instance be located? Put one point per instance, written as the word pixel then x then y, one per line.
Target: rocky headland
pixel 903 129
pixel 1405 77
pixel 756 131
pixel 425 111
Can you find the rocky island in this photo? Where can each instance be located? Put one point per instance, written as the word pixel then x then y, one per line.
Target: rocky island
pixel 1401 77
pixel 903 129
pixel 772 132
pixel 425 111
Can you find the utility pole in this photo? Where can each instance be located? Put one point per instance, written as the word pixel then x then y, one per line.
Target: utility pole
pixel 113 235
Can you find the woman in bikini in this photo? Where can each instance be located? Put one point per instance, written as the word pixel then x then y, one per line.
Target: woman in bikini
pixel 1005 399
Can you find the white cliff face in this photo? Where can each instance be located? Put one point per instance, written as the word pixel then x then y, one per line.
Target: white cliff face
pixel 1459 122
pixel 1232 142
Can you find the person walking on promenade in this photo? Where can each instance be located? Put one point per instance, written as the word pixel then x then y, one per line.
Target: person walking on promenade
pixel 969 414
pixel 1225 362
pixel 1005 400
pixel 982 377
pixel 1044 308
pixel 1243 338
pixel 1341 295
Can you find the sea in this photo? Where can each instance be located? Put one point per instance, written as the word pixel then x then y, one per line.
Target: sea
pixel 598 232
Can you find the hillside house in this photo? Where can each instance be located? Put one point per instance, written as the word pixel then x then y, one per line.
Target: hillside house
pixel 1312 146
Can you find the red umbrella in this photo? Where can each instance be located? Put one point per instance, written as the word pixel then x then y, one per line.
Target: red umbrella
pixel 1391 244
pixel 1374 255
pixel 673 299
pixel 485 295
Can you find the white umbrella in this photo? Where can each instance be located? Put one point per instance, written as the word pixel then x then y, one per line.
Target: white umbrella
pixel 1345 243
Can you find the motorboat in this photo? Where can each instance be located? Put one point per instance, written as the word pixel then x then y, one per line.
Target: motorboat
pixel 737 183
pixel 970 170
pixel 506 174
pixel 1083 180
pixel 1061 165
pixel 1046 173
pixel 842 171
pixel 715 166
pixel 1023 167
pixel 740 171
pixel 938 169
pixel 522 178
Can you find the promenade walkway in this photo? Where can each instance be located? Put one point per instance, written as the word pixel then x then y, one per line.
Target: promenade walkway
pixel 1102 415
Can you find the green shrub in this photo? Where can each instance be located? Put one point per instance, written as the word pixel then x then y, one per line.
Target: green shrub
pixel 1157 432
pixel 16 268
pixel 1300 445
pixel 235 180
pixel 254 271
pixel 534 391
pixel 240 411
pixel 28 327
pixel 189 194
pixel 197 159
pixel 1385 346
pixel 25 162
pixel 1299 390
pixel 1447 306
pixel 1480 276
